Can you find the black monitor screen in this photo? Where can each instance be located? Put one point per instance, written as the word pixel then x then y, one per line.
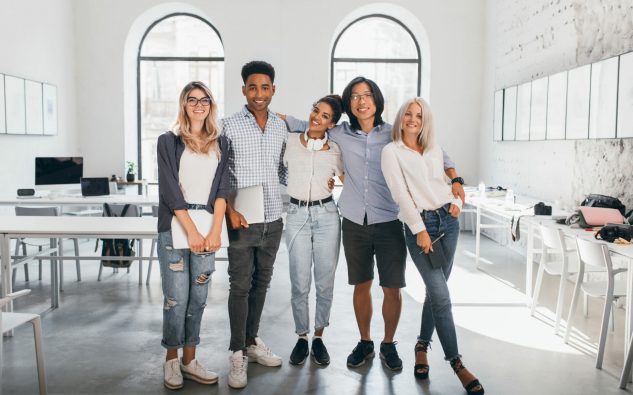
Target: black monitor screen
pixel 50 171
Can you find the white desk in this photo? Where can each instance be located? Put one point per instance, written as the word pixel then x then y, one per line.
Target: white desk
pixel 68 227
pixel 501 216
pixel 61 200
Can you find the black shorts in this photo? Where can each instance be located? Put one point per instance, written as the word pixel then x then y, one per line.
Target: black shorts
pixel 386 241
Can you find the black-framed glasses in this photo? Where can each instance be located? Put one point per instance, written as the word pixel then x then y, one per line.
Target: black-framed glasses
pixel 366 96
pixel 204 101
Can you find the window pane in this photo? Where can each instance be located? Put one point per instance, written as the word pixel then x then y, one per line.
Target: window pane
pixel 161 83
pixel 397 81
pixel 180 36
pixel 376 37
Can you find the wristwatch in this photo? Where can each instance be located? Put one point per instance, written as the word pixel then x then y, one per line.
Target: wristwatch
pixel 457 179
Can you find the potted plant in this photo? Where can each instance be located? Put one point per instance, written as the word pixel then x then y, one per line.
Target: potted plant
pixel 131 170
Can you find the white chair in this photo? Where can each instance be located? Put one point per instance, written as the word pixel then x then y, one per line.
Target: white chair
pixel 152 248
pixel 554 245
pixel 593 253
pixel 41 243
pixel 10 321
pixel 556 260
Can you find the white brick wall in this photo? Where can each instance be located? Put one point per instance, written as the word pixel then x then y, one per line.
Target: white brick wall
pixel 526 40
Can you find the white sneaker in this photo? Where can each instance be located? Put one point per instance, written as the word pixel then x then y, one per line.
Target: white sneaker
pixel 173 377
pixel 237 374
pixel 196 372
pixel 261 354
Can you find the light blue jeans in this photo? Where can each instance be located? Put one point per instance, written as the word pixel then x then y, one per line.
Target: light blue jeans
pixel 437 311
pixel 313 235
pixel 185 279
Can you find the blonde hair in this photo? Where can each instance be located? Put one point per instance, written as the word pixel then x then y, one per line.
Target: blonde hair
pixel 210 130
pixel 426 136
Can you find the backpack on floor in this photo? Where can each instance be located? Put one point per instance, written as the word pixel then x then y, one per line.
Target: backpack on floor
pixel 116 247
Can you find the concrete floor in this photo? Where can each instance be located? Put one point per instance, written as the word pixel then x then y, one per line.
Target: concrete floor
pixel 105 337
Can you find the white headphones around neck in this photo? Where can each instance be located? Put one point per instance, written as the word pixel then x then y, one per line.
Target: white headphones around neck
pixel 315 144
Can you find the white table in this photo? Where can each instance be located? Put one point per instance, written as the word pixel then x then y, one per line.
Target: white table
pixel 68 227
pixel 78 200
pixel 500 215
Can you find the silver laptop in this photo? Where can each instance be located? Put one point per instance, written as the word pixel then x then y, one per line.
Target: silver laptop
pixel 249 202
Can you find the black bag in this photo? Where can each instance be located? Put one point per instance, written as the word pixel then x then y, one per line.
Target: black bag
pixel 541 209
pixel 594 200
pixel 116 247
pixel 610 232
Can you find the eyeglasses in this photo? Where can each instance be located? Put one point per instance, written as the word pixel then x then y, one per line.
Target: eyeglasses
pixel 366 96
pixel 192 101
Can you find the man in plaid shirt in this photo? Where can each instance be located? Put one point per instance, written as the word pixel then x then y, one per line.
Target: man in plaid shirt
pixel 257 139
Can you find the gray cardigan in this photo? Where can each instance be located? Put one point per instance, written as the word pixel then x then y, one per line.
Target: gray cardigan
pixel 170 148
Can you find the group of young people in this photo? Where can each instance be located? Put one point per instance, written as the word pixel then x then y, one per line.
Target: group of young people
pixel 391 175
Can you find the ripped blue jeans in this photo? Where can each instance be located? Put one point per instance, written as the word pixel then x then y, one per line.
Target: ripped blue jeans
pixel 185 279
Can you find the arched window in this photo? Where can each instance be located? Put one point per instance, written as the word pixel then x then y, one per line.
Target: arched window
pixel 383 49
pixel 174 50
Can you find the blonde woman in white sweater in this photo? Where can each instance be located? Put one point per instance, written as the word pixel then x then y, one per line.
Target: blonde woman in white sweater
pixel 413 168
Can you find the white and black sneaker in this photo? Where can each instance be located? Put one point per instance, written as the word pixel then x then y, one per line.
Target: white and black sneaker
pixel 320 355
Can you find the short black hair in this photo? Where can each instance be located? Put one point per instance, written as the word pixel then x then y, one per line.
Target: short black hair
pixel 336 103
pixel 379 101
pixel 258 67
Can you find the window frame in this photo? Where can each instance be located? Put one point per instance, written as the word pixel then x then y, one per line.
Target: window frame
pixel 377 60
pixel 140 58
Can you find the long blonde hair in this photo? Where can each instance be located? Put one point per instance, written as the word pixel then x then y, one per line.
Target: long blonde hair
pixel 210 130
pixel 426 136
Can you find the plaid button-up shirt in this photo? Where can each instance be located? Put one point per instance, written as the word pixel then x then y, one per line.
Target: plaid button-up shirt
pixel 256 157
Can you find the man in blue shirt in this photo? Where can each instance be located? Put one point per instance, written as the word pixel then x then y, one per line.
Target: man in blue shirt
pixel 370 216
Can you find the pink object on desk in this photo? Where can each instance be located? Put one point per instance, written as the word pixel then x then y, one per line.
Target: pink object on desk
pixel 600 216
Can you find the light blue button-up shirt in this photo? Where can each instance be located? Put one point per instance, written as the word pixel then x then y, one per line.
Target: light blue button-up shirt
pixel 365 191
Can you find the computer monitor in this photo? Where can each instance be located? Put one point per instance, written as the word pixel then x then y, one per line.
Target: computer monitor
pixel 58 171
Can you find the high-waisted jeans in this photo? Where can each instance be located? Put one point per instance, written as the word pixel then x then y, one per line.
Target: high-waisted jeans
pixel 185 279
pixel 437 310
pixel 313 237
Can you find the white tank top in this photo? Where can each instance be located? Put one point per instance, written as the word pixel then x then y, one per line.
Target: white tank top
pixel 196 174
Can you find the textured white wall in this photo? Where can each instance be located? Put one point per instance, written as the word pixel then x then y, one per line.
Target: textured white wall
pixel 37 42
pixel 527 40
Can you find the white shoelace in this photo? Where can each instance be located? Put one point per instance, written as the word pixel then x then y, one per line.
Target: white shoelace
pixel 267 350
pixel 173 369
pixel 238 364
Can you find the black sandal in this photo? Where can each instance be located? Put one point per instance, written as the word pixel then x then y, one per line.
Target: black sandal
pixel 457 366
pixel 421 370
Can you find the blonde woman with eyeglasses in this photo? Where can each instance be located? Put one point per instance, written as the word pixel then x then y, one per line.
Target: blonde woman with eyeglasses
pixel 192 179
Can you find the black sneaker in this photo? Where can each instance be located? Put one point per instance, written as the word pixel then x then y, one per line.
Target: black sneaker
pixel 300 352
pixel 389 356
pixel 319 353
pixel 363 351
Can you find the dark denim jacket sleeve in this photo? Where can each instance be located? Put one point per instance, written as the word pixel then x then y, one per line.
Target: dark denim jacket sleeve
pixel 168 187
